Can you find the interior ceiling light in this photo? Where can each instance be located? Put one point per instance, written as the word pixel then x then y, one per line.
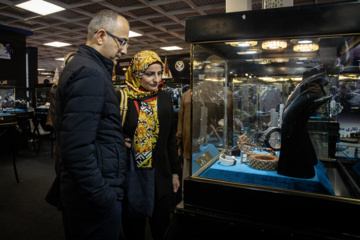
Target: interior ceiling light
pixel 57 44
pixel 266 61
pixel 40 7
pixel 243 44
pixel 272 45
pixel 311 47
pixel 280 60
pixel 249 51
pixel 59 59
pixel 171 48
pixel 134 34
pixel 305 40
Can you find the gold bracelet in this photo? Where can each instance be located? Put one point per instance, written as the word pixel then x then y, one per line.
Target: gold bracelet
pixel 176 177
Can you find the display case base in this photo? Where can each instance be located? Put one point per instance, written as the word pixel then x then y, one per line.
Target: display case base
pixel 217 209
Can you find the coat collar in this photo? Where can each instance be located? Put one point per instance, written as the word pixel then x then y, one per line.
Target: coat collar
pixel 96 56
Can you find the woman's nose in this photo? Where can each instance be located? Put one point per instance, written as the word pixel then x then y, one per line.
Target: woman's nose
pixel 157 77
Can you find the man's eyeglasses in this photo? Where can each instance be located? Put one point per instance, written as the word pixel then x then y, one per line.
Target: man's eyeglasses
pixel 121 41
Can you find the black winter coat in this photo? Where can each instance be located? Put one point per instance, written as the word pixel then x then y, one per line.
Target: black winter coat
pixel 165 158
pixel 89 130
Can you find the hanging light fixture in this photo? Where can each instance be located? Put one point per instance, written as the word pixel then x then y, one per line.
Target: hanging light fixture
pixel 243 44
pixel 309 47
pixel 272 45
pixel 266 61
pixel 249 51
pixel 280 60
pixel 304 40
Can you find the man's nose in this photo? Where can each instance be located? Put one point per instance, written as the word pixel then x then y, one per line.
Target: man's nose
pixel 123 49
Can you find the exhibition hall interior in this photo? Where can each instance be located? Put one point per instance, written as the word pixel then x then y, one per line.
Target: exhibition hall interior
pixel 274 112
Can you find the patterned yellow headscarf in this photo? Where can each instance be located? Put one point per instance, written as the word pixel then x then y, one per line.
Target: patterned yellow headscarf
pixel 147 130
pixel 135 71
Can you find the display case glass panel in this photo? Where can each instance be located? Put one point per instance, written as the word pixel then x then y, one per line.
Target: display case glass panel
pixel 42 96
pixel 23 98
pixel 176 89
pixel 278 113
pixel 7 97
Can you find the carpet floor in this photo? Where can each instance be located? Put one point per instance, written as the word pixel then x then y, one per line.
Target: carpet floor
pixel 24 214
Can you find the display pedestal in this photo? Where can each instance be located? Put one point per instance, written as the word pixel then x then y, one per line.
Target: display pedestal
pixel 243 173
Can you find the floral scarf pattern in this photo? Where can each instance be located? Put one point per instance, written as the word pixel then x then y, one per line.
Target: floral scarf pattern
pixel 147 131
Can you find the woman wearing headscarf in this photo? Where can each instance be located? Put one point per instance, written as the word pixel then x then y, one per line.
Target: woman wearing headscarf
pixel 151 127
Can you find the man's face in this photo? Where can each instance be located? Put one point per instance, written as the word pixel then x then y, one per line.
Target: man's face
pixel 114 46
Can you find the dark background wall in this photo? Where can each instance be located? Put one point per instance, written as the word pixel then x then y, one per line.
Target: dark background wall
pixel 179 66
pixel 32 65
pixel 14 70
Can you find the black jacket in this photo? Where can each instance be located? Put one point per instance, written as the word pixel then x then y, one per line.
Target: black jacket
pixel 165 158
pixel 89 130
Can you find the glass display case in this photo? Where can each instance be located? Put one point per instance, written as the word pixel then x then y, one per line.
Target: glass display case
pixel 276 118
pixel 176 89
pixel 24 98
pixel 42 97
pixel 7 97
pixel 243 90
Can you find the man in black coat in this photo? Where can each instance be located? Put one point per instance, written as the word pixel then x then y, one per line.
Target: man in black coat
pixel 89 130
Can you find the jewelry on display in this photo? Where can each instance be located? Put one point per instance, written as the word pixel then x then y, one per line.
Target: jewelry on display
pixel 216 133
pixel 263 161
pixel 265 138
pixel 228 160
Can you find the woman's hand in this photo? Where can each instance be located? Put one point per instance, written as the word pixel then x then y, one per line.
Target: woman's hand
pixel 179 152
pixel 127 142
pixel 176 182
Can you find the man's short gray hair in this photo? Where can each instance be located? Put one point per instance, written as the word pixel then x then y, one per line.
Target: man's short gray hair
pixel 104 19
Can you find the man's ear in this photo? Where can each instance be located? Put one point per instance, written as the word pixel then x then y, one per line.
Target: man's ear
pixel 100 37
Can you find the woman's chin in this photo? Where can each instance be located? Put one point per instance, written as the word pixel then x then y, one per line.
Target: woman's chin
pixel 152 88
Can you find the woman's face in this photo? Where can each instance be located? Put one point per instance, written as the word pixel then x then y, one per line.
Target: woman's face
pixel 151 78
